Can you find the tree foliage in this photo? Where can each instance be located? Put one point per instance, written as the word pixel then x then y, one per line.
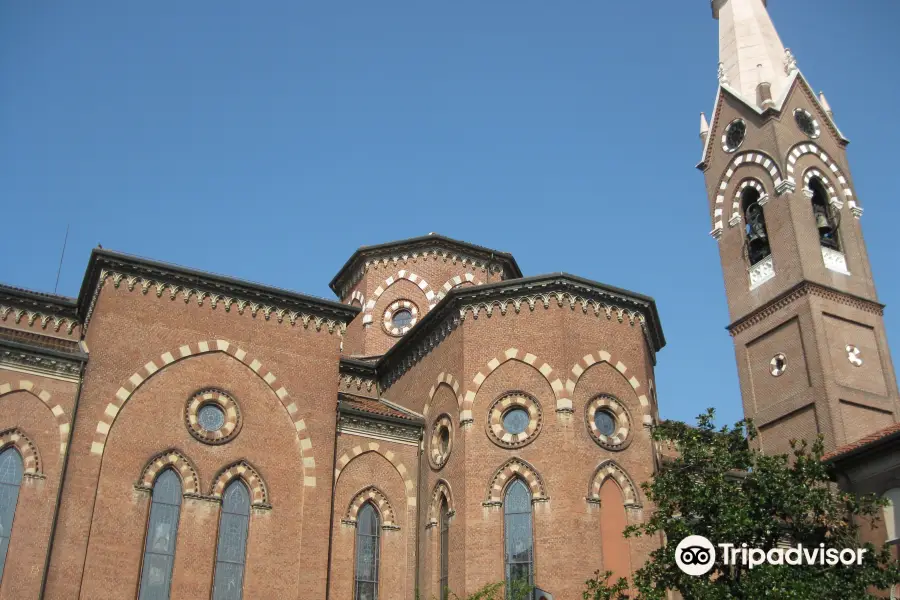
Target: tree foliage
pixel 721 487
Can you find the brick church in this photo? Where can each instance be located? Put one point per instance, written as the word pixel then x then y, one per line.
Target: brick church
pixel 447 422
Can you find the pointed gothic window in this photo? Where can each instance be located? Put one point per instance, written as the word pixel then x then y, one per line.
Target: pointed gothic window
pixel 162 530
pixel 368 528
pixel 11 470
pixel 445 549
pixel 824 218
pixel 232 548
pixel 518 537
pixel 757 244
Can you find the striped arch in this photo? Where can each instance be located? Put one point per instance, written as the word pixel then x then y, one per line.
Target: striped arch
pixel 357 295
pixel 810 148
pixel 563 403
pixel 375 496
pixel 177 461
pixel 441 490
pixel 455 281
pixel 833 198
pixel 31 458
pixel 610 469
pixel 602 356
pixel 62 420
pixel 515 468
pixel 743 159
pixel 421 283
pixel 167 358
pixel 736 204
pixel 259 492
pixel 443 379
pixel 392 458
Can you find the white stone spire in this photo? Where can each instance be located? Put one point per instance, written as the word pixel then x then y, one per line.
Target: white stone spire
pixel 704 127
pixel 749 48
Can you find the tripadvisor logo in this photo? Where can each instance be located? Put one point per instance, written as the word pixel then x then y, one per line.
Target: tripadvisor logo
pixel 695 555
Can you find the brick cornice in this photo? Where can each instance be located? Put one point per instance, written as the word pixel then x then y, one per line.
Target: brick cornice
pixel 187 284
pixel 802 289
pixel 46 310
pixel 559 290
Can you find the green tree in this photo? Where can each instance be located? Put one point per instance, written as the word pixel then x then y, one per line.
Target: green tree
pixel 721 487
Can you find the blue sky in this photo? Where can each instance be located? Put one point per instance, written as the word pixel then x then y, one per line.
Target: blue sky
pixel 268 140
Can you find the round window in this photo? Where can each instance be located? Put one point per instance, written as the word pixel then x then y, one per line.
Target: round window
pixel 608 422
pixel 402 318
pixel 211 417
pixel 734 135
pixel 441 441
pixel 515 421
pixel 806 123
pixel 605 422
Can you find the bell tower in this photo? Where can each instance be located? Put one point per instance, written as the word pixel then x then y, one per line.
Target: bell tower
pixel 806 323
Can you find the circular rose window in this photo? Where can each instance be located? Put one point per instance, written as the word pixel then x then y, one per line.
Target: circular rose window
pixel 212 416
pixel 441 441
pixel 608 422
pixel 514 420
pixel 399 317
pixel 734 135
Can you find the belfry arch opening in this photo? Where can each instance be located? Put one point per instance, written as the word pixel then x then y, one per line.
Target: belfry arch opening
pixel 823 215
pixel 757 236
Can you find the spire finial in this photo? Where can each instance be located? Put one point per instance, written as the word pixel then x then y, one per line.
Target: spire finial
pixel 704 127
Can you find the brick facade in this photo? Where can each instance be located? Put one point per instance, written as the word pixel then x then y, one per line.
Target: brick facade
pixel 401 419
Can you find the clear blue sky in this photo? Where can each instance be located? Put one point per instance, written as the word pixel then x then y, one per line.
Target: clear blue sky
pixel 268 140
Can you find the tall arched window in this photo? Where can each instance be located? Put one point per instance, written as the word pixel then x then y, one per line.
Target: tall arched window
pixel 892 514
pixel 10 479
pixel 162 530
pixel 824 218
pixel 232 548
pixel 755 228
pixel 368 528
pixel 445 549
pixel 519 541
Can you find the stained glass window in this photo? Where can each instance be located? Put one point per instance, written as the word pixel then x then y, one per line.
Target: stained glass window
pixel 159 553
pixel 10 480
pixel 519 541
pixel 516 420
pixel 211 417
pixel 402 318
pixel 605 422
pixel 445 549
pixel 368 528
pixel 232 549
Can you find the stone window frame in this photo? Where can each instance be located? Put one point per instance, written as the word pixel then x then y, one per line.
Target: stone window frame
pixel 229 406
pixel 392 309
pixel 507 401
pixel 624 434
pixel 436 458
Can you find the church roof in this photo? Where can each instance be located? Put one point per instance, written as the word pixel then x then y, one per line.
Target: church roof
pixel 870 442
pixel 421 245
pixel 376 407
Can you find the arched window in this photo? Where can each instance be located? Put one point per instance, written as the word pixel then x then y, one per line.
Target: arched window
pixel 10 479
pixel 162 530
pixel 519 546
pixel 368 528
pixel 892 514
pixel 824 218
pixel 445 549
pixel 755 228
pixel 232 548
